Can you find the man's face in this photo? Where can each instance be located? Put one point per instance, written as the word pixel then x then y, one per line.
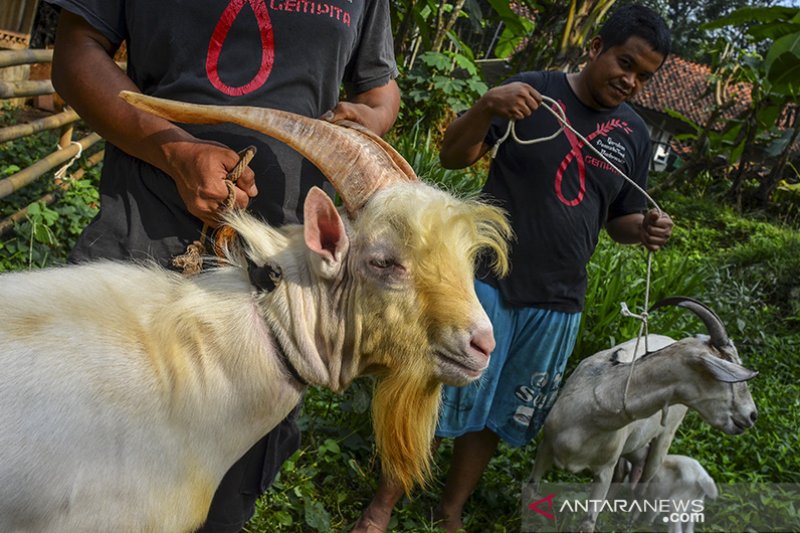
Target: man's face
pixel 617 74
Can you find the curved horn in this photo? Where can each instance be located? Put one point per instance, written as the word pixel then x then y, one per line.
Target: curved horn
pixel 356 161
pixel 716 329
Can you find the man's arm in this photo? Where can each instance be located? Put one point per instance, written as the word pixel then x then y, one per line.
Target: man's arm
pixel 375 109
pixel 85 75
pixel 650 229
pixel 463 142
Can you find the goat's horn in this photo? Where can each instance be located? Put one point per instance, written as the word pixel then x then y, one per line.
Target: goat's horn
pixel 356 161
pixel 716 329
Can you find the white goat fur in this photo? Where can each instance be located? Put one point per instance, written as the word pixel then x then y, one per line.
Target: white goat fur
pixel 590 428
pixel 680 479
pixel 128 390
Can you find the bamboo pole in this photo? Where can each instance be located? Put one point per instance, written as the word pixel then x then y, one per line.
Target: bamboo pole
pixel 10 58
pixel 52 122
pixel 65 136
pixel 36 170
pixel 50 198
pixel 16 89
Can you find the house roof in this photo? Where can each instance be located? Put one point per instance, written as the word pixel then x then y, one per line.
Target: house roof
pixel 684 86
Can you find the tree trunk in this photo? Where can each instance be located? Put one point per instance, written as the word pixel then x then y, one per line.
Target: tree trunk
pixel 442 26
pixel 401 36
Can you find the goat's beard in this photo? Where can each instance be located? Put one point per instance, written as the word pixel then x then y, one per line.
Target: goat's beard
pixel 405 410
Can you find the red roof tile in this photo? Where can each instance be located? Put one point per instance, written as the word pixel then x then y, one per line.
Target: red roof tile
pixel 685 87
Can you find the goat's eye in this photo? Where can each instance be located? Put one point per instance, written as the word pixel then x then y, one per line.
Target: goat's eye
pixel 382 263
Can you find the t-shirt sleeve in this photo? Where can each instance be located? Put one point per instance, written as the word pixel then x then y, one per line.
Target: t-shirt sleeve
pixel 373 63
pixel 630 199
pixel 106 16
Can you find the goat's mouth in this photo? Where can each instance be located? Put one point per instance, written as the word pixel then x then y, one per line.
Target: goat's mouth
pixel 455 370
pixel 739 427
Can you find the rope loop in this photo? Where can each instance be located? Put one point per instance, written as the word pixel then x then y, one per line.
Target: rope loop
pixel 556 110
pixel 61 173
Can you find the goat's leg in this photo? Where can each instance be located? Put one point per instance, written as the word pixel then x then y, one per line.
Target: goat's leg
pixel 659 446
pixel 541 465
pixel 602 480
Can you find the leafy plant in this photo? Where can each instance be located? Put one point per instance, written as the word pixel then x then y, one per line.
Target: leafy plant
pixel 440 84
pixel 420 148
pixel 49 230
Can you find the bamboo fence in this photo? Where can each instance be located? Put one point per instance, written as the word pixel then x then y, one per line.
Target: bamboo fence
pixel 67 149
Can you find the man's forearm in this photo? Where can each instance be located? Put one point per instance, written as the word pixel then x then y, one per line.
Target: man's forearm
pixel 85 75
pixel 383 104
pixel 653 229
pixel 626 229
pixel 463 144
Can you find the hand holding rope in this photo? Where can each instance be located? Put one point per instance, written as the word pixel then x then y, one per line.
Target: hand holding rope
pixel 191 261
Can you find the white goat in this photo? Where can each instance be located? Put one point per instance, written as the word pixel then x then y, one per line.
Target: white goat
pixel 128 390
pixel 593 423
pixel 684 482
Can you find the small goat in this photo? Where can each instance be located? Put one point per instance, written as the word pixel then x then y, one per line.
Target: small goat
pixel 684 482
pixel 129 390
pixel 593 422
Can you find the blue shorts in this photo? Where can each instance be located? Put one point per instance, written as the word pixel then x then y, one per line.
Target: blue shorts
pixel 514 395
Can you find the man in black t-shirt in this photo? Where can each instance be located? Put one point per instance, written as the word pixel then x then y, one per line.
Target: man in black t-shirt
pixel 162 181
pixel 559 194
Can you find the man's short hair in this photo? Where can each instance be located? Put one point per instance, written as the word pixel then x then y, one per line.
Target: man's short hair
pixel 639 21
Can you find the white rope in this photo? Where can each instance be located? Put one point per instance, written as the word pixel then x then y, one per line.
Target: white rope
pixel 62 172
pixel 510 131
pixel 643 330
pixel 561 117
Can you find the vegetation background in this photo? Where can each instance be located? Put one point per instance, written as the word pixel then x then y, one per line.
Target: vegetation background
pixel 736 245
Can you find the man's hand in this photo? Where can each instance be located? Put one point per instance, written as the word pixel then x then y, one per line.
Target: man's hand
pixel 375 109
pixel 463 142
pixel 514 101
pixel 199 170
pixel 655 229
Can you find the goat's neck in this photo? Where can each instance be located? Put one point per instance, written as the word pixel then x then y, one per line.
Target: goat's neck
pixel 654 384
pixel 212 353
pixel 308 320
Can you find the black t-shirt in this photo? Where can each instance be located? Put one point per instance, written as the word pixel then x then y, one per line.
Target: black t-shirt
pixel 284 54
pixel 559 193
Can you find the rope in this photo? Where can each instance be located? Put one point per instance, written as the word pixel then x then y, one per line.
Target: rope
pixel 510 131
pixel 191 261
pixel 61 173
pixel 562 119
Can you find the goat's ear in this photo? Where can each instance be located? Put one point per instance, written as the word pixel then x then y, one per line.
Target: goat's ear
pixel 324 233
pixel 726 371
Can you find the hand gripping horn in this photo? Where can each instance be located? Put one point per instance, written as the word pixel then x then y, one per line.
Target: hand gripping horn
pixel 356 161
pixel 716 329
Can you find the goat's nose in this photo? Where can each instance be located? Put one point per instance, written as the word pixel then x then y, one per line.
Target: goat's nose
pixel 482 340
pixel 753 416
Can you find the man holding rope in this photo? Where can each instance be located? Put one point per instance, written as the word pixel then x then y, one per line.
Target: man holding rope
pixel 559 193
pixel 161 181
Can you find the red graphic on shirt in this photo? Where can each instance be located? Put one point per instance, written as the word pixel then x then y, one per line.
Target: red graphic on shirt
pixel 261 12
pixel 602 129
